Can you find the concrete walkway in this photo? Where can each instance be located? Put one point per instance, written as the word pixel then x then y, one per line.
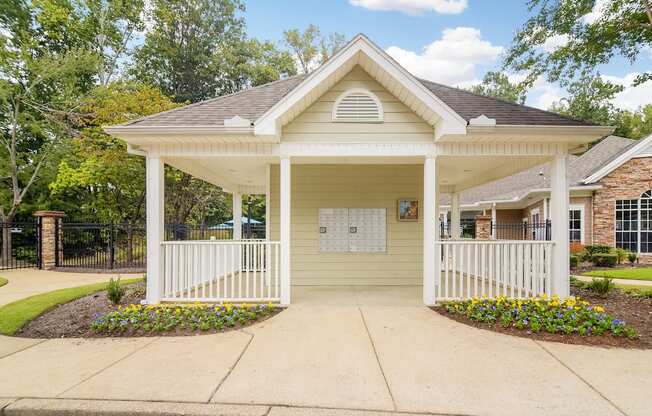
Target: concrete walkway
pixel 337 351
pixel 27 282
pixel 624 282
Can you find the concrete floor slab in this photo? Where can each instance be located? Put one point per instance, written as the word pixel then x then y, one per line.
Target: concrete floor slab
pixel 357 295
pixel 183 369
pixel 622 376
pixel 312 356
pixel 50 368
pixel 56 407
pixel 436 365
pixel 11 345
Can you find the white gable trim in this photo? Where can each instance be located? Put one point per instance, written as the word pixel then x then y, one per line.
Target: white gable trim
pixel 450 123
pixel 620 160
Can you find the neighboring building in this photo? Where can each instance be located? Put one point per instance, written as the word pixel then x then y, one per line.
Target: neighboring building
pixel 610 198
pixel 353 159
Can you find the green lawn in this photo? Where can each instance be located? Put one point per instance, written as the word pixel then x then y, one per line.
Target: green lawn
pixel 642 273
pixel 3 281
pixel 15 315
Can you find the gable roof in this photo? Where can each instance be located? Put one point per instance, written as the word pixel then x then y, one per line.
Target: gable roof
pixel 256 103
pixel 253 102
pixel 637 148
pixel 517 186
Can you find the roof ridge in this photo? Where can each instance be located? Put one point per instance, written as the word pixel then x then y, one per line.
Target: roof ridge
pixel 211 100
pixel 506 102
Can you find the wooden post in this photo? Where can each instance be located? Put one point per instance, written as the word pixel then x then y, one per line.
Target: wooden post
pixel 285 201
pixel 559 215
pixel 431 261
pixel 155 183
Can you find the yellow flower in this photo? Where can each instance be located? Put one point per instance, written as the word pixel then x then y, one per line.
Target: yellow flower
pixel 599 309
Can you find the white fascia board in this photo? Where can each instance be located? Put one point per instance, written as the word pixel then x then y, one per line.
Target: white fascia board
pixel 523 197
pixel 451 122
pixel 619 161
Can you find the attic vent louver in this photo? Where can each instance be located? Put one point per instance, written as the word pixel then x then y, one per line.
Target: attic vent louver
pixel 358 106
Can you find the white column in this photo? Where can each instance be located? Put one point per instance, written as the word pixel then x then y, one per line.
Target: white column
pixel 456 229
pixel 268 203
pixel 237 216
pixel 559 217
pixel 493 221
pixel 285 217
pixel 155 192
pixel 431 263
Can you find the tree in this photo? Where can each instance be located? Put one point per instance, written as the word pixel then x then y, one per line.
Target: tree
pixel 193 200
pixel 49 60
pixel 565 39
pixel 310 48
pixel 107 182
pixel 634 124
pixel 182 54
pixel 496 84
pixel 589 99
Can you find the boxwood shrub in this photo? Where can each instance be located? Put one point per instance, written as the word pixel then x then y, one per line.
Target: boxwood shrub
pixel 574 261
pixel 604 259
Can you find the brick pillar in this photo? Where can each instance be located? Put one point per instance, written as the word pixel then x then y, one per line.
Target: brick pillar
pixel 49 220
pixel 483 227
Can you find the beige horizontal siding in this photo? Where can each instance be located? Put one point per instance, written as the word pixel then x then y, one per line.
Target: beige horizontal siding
pixel 400 123
pixel 351 186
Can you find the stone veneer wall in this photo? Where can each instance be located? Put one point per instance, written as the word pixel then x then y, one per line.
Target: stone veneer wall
pixel 628 181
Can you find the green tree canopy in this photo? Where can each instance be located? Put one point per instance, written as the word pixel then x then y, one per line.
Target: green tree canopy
pixel 565 39
pixel 634 124
pixel 496 84
pixel 311 48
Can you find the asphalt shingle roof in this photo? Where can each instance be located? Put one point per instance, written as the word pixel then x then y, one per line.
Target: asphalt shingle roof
pixel 254 102
pixel 519 184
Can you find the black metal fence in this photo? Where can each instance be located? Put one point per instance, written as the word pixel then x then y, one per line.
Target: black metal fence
pixel 87 245
pixel 20 245
pixel 523 231
pixel 101 246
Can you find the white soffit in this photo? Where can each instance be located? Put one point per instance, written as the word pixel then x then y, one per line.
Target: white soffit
pixel 380 66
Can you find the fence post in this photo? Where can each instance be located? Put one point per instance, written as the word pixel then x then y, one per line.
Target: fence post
pixel 483 227
pixel 111 246
pixel 50 237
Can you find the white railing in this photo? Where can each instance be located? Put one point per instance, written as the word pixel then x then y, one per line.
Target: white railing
pixel 221 271
pixel 511 268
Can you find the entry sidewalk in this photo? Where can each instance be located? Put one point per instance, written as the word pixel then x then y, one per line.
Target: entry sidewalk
pixel 366 356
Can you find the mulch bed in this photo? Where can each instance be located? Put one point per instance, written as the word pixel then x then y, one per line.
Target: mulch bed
pixel 73 319
pixel 636 312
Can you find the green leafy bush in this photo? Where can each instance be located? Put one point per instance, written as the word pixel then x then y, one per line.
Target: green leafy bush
pixel 621 254
pixel 197 317
pixel 632 257
pixel 597 249
pixel 604 259
pixel 552 315
pixel 574 261
pixel 114 291
pixel 601 286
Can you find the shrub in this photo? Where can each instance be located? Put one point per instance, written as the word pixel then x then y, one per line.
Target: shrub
pixel 574 261
pixel 597 249
pixel 601 286
pixel 632 257
pixel 576 248
pixel 115 291
pixel 604 259
pixel 552 315
pixel 621 254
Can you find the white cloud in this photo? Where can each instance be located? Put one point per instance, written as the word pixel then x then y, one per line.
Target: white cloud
pixel 631 97
pixel 414 7
pixel 596 13
pixel 451 60
pixel 554 42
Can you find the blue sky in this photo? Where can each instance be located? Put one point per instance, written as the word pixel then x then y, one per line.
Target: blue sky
pixel 450 41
